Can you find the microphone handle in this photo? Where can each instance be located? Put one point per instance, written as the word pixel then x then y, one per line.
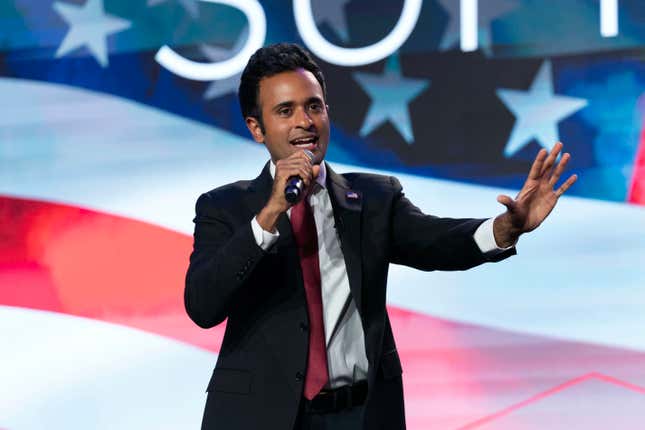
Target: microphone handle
pixel 295 184
pixel 293 190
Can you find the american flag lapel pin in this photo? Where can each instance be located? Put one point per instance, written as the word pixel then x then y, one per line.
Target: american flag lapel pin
pixel 351 195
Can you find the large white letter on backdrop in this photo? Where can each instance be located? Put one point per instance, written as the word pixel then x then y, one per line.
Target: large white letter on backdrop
pixel 469 40
pixel 354 56
pixel 609 18
pixel 223 69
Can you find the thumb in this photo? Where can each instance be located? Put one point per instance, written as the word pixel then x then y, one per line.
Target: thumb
pixel 315 170
pixel 506 201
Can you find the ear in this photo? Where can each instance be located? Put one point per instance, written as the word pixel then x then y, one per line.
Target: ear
pixel 255 128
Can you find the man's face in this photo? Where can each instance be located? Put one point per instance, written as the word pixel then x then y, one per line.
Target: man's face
pixel 294 114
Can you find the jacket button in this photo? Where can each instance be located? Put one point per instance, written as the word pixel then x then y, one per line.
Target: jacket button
pixel 299 376
pixel 303 326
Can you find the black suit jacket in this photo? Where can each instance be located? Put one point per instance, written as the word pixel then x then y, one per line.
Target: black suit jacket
pixel 259 376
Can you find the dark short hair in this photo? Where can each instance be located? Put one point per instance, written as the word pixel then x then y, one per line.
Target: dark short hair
pixel 268 61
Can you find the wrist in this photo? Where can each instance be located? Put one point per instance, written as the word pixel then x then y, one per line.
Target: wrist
pixel 504 232
pixel 268 218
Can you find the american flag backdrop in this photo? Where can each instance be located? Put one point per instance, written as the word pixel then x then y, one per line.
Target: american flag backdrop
pixel 108 135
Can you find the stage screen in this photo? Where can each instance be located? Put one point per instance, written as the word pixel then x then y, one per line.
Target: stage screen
pixel 115 115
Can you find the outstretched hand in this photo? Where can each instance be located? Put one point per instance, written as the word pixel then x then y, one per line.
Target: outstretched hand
pixel 536 199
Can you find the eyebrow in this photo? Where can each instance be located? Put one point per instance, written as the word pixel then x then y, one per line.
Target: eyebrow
pixel 281 105
pixel 291 103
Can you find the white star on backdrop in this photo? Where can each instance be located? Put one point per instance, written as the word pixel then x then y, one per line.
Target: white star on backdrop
pixel 390 94
pixel 89 26
pixel 333 13
pixel 487 12
pixel 190 6
pixel 214 54
pixel 537 112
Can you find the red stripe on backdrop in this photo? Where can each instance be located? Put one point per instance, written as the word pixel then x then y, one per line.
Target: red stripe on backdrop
pixel 85 263
pixel 637 188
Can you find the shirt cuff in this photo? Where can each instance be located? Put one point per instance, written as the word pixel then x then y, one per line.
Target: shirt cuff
pixel 485 238
pixel 263 238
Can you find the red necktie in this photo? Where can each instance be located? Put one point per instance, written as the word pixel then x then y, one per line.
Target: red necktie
pixel 304 231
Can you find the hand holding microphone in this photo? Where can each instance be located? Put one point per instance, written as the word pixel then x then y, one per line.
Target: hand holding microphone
pixel 295 185
pixel 293 175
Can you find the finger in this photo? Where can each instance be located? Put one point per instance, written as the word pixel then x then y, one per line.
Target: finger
pixel 553 155
pixel 506 201
pixel 555 177
pixel 294 161
pixel 301 155
pixel 315 171
pixel 536 168
pixel 305 174
pixel 286 169
pixel 564 187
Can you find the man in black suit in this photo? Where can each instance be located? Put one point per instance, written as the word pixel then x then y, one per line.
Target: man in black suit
pixel 308 342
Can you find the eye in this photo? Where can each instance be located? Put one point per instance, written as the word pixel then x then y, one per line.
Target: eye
pixel 316 107
pixel 284 111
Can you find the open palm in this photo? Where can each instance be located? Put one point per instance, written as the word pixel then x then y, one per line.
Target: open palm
pixel 538 196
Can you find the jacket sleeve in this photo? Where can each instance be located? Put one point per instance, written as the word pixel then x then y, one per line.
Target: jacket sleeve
pixel 224 255
pixel 428 242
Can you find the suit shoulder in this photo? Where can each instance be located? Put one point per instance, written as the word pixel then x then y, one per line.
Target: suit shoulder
pixel 229 190
pixel 225 194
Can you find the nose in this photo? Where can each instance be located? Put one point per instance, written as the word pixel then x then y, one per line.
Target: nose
pixel 304 119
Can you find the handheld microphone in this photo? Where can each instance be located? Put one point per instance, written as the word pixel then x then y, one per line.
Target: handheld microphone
pixel 295 184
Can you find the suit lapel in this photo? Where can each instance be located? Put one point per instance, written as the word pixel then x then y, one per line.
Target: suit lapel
pixel 347 205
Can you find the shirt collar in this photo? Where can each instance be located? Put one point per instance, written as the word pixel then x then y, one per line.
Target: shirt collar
pixel 322 175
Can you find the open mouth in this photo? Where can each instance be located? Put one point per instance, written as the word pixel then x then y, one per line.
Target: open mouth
pixel 308 142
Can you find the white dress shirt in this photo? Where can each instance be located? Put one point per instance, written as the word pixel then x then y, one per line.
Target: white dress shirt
pixel 344 335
